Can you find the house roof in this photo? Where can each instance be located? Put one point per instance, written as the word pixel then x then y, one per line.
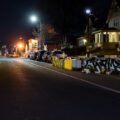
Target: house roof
pixel 102 24
pixel 108 14
pixel 114 10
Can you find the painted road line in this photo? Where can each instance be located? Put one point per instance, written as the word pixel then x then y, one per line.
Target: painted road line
pixel 77 78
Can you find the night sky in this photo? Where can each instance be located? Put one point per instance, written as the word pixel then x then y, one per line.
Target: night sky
pixel 14 15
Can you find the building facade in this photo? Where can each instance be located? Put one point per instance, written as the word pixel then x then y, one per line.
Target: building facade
pixel 33 45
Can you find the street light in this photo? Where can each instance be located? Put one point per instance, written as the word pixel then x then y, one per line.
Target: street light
pixel 85 41
pixel 88 11
pixel 20 45
pixel 33 18
pixel 20 48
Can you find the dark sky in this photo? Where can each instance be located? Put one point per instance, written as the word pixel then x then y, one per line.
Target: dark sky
pixel 14 15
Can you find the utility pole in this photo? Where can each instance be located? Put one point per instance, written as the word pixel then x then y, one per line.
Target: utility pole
pixel 65 40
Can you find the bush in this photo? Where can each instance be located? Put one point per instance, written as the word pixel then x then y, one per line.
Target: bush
pixel 110 46
pixel 94 50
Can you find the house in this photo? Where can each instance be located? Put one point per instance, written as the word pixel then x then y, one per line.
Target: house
pixel 110 32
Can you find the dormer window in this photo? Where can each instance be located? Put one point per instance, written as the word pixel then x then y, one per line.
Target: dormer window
pixel 116 22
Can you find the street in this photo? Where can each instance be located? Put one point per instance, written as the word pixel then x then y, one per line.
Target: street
pixel 37 91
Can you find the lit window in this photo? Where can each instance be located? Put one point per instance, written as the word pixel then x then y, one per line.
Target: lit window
pixel 109 37
pixel 113 38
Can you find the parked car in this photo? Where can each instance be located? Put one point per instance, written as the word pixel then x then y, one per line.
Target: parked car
pixel 50 57
pixel 45 56
pixel 33 55
pixel 39 55
pixel 57 54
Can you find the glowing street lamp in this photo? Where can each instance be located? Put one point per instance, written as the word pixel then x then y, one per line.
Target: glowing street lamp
pixel 20 45
pixel 85 41
pixel 33 18
pixel 20 49
pixel 88 11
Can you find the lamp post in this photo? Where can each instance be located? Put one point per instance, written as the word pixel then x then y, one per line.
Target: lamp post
pixel 88 13
pixel 35 19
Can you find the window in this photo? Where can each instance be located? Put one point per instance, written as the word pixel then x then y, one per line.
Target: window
pixel 113 38
pixel 106 38
pixel 119 38
pixel 95 38
pixel 109 37
pixel 116 22
pixel 98 38
pixel 101 38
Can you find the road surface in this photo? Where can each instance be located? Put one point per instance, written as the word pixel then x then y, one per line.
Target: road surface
pixel 35 91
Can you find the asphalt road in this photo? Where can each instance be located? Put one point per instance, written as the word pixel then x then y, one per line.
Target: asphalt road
pixel 30 92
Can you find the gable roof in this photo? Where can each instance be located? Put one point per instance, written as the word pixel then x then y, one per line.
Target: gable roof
pixel 110 12
pixel 114 10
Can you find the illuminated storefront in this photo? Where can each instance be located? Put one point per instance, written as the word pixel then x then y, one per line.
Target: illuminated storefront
pixel 33 45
